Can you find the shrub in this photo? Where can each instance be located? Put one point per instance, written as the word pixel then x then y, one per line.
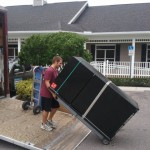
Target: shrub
pixel 40 49
pixel 24 89
pixel 136 82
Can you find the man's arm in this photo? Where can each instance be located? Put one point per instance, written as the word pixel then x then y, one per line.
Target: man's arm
pixel 47 83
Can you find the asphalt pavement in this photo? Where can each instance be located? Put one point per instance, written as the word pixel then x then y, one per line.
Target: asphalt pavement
pixel 135 135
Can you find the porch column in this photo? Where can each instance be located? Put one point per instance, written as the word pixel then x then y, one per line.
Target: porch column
pixel 19 44
pixel 85 45
pixel 133 58
pixel 14 53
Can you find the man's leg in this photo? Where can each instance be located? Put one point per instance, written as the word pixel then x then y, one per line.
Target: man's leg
pixel 52 113
pixel 54 107
pixel 44 116
pixel 45 111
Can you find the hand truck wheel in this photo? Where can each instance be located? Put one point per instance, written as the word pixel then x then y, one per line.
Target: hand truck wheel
pixel 105 141
pixel 36 110
pixel 26 105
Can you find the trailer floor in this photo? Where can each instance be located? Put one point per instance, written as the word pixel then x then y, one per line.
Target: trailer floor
pixel 23 126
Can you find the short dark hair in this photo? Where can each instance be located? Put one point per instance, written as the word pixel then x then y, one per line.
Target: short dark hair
pixel 56 59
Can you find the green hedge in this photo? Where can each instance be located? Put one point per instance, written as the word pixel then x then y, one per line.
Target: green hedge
pixel 24 89
pixel 136 82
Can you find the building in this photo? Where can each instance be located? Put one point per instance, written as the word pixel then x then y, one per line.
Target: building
pixel 110 29
pixel 4 88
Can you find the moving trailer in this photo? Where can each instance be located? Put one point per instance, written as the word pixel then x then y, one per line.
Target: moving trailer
pixel 4 88
pixel 93 99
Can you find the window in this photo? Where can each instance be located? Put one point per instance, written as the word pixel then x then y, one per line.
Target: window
pixel 148 54
pixel 105 52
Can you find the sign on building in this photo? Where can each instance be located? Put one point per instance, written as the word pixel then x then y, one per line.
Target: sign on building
pixel 130 50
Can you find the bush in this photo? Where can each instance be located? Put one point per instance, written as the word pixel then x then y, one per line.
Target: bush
pixel 136 82
pixel 24 89
pixel 40 49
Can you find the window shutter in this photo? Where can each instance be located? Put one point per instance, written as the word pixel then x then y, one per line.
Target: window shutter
pixel 93 51
pixel 143 53
pixel 117 52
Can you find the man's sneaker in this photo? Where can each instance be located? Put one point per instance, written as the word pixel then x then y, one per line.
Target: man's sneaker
pixel 51 124
pixel 46 127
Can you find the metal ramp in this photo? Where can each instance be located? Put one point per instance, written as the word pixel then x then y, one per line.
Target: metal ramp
pixel 22 128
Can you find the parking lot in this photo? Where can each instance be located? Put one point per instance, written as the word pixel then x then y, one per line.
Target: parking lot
pixel 134 135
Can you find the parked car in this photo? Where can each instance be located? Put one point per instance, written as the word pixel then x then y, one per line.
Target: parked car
pixel 18 72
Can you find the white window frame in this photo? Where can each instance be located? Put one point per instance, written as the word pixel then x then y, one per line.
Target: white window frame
pixel 104 51
pixel 147 49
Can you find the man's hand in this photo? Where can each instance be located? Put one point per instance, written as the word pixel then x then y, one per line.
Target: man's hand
pixel 53 94
pixel 47 83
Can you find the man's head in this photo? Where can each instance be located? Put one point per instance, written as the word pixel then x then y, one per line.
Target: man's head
pixel 57 61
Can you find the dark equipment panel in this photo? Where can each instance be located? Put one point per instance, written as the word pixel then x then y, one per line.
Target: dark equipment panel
pixel 97 102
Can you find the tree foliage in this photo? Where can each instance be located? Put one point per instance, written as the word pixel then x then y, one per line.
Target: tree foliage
pixel 40 49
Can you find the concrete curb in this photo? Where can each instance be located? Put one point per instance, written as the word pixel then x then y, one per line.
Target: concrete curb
pixel 136 89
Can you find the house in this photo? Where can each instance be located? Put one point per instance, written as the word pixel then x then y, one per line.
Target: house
pixel 4 88
pixel 23 21
pixel 115 33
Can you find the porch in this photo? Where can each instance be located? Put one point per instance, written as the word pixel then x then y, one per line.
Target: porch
pixel 113 56
pixel 122 69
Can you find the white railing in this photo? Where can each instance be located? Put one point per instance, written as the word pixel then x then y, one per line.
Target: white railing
pixel 122 69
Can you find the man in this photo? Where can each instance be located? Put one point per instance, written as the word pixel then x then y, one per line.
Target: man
pixel 48 99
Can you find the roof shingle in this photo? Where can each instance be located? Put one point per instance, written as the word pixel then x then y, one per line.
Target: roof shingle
pixel 116 18
pixel 46 17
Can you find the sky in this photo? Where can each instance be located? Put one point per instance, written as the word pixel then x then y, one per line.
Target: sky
pixel 90 2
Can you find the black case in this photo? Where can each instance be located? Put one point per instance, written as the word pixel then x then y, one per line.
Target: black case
pixel 98 102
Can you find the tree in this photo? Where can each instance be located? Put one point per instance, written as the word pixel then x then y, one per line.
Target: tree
pixel 34 51
pixel 40 49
